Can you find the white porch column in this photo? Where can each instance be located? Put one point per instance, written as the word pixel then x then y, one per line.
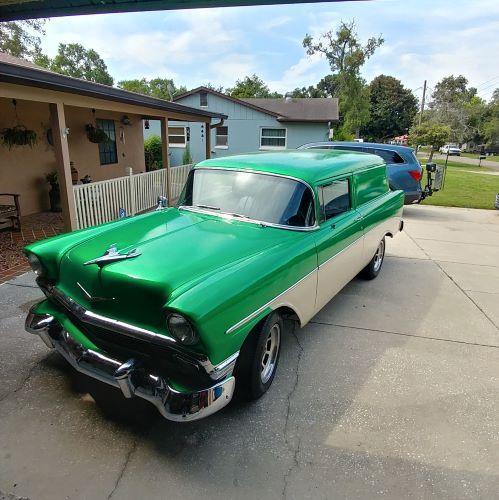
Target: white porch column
pixel 58 124
pixel 166 159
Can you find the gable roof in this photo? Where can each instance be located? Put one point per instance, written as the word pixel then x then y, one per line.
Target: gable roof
pixel 21 72
pixel 303 109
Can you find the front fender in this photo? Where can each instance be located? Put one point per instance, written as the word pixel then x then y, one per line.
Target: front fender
pixel 242 291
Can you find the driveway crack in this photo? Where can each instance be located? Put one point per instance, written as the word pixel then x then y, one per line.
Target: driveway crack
pixel 293 449
pixel 22 383
pixel 124 467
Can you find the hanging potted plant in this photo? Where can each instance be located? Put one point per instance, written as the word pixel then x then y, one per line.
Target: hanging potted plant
pixel 95 134
pixel 18 135
pixel 54 193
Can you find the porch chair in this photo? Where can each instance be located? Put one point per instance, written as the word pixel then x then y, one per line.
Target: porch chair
pixel 10 214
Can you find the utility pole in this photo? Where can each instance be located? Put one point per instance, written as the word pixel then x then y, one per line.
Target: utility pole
pixel 422 103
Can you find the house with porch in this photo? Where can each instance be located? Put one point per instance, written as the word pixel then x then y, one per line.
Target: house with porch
pixel 251 124
pixel 63 120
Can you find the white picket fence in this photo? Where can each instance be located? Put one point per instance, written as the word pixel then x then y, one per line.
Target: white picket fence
pixel 104 201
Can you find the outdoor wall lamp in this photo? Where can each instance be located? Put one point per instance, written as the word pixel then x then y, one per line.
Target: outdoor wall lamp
pixel 125 120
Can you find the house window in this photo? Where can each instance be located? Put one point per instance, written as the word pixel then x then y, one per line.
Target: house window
pixel 334 199
pixel 203 99
pixel 107 150
pixel 222 137
pixel 273 138
pixel 177 137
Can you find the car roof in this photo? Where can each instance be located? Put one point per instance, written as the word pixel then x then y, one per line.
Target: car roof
pixel 379 145
pixel 310 166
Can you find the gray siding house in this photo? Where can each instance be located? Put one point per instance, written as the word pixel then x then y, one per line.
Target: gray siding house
pixel 252 124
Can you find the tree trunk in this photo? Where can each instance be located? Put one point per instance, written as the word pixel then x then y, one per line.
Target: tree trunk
pixel 432 151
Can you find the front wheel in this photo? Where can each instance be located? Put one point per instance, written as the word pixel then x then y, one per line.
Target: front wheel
pixel 258 359
pixel 374 267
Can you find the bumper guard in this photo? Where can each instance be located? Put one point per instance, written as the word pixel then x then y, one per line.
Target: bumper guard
pixel 130 377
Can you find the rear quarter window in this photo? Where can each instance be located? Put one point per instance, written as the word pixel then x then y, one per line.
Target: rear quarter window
pixel 370 184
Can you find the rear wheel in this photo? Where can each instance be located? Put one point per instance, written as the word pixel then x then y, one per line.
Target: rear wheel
pixel 258 359
pixel 374 267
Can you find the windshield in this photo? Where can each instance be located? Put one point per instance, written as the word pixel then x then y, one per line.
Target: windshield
pixel 252 195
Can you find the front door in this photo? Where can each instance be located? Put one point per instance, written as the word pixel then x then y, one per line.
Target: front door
pixel 339 240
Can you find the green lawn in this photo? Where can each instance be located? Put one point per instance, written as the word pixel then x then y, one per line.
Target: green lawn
pixel 475 156
pixel 465 189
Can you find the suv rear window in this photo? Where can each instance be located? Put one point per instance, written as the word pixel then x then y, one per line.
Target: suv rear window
pixel 389 156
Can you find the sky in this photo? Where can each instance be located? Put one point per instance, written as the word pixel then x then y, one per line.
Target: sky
pixel 424 39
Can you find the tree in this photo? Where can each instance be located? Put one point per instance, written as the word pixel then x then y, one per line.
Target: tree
pixel 346 56
pixel 451 90
pixel 309 91
pixel 429 134
pixel 74 60
pixel 161 88
pixel 456 105
pixel 392 108
pixel 216 88
pixel 329 86
pixel 251 86
pixel 20 38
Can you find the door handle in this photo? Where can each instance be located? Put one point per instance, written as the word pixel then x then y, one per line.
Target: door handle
pixel 357 219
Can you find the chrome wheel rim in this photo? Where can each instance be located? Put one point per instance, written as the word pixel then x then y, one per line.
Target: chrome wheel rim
pixel 270 352
pixel 378 256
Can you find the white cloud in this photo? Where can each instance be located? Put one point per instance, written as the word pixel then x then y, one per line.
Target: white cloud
pixel 277 22
pixel 227 70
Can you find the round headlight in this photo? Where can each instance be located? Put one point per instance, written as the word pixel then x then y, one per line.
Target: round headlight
pixel 181 329
pixel 35 264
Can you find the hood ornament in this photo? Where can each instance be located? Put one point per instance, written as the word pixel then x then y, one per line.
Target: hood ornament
pixel 112 255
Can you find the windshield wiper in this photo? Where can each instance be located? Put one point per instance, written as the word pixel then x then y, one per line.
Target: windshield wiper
pixel 241 216
pixel 209 207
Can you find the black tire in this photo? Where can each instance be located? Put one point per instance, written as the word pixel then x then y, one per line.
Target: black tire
pixel 374 267
pixel 251 380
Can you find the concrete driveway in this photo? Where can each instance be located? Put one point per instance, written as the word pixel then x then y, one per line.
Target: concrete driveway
pixel 391 391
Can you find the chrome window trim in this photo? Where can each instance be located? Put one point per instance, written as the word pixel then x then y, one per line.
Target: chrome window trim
pixel 255 221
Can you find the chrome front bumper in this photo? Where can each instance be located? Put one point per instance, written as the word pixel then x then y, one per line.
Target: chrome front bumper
pixel 130 377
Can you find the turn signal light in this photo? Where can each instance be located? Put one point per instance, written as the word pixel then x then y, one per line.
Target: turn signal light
pixel 416 174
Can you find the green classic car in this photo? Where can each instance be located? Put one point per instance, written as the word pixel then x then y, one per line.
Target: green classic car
pixel 182 306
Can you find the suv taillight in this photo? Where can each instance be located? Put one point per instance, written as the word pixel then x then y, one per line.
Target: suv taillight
pixel 416 174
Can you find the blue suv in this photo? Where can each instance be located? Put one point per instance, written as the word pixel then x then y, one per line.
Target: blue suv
pixel 404 169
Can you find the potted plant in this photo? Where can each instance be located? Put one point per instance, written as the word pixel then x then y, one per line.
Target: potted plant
pixel 95 134
pixel 54 193
pixel 18 135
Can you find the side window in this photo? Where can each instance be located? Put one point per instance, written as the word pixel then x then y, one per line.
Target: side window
pixel 203 99
pixel 334 199
pixel 390 157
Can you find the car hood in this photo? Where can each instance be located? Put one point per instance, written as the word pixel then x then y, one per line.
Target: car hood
pixel 175 248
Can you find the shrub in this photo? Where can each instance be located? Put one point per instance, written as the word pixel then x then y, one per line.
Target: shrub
pixel 153 153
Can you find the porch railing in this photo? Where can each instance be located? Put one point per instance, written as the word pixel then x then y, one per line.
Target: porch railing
pixel 104 201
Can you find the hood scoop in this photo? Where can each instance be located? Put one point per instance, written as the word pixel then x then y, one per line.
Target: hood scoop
pixel 112 255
